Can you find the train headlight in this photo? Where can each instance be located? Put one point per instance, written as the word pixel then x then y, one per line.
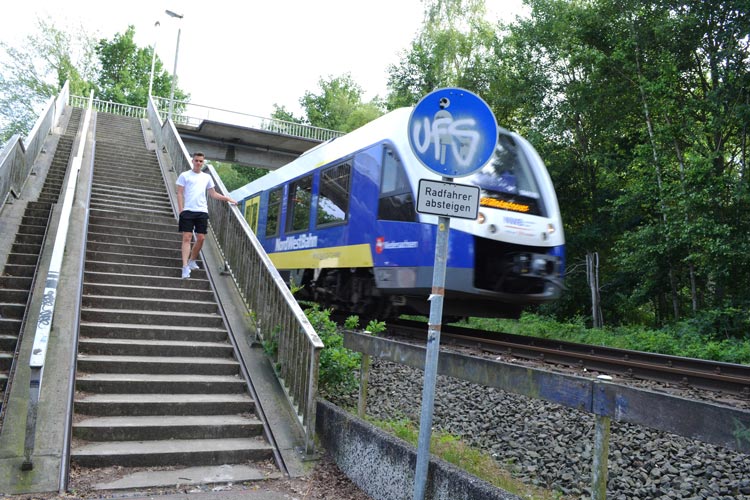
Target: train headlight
pixel 481 218
pixel 551 228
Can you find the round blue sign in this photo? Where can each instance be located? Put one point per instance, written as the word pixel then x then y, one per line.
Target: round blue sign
pixel 452 132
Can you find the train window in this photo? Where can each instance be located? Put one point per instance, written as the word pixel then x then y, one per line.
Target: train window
pixel 396 199
pixel 298 205
pixel 333 199
pixel 508 182
pixel 274 212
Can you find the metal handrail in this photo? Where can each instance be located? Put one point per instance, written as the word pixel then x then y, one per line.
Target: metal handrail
pixel 192 115
pixel 18 155
pixel 276 316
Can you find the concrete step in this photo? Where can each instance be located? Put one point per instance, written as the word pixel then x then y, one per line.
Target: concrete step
pixel 29 238
pixel 166 365
pixel 150 292
pixel 185 476
pixel 15 296
pixel 31 229
pixel 145 280
pixel 148 304
pixel 97 315
pixel 163 404
pixel 15 282
pixel 102 213
pixel 149 383
pixel 171 452
pixel 6 359
pixel 20 270
pixel 157 427
pixel 108 184
pixel 31 220
pixel 128 258
pixel 139 269
pixel 157 205
pixel 166 348
pixel 165 241
pixel 163 209
pixel 8 342
pixel 10 326
pixel 23 259
pixel 10 310
pixel 26 248
pixel 161 224
pixel 173 235
pixel 152 332
pixel 172 251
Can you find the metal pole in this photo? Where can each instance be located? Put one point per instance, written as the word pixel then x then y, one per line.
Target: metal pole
pixel 153 62
pixel 174 75
pixel 601 452
pixel 431 356
pixel 364 380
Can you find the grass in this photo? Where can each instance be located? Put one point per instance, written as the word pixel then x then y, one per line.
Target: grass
pixel 476 462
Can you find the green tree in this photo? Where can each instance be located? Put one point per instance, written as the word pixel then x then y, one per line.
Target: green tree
pixel 37 70
pixel 126 70
pixel 452 49
pixel 339 105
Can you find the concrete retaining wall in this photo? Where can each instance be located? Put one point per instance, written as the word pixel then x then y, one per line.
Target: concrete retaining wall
pixel 383 466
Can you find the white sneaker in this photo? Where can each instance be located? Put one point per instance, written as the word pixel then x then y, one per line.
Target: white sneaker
pixel 193 264
pixel 186 272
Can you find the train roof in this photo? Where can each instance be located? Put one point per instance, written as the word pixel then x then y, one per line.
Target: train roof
pixel 391 126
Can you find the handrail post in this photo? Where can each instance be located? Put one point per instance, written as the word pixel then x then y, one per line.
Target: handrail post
pixel 364 380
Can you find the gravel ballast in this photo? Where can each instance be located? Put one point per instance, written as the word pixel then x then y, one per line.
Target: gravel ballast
pixel 551 446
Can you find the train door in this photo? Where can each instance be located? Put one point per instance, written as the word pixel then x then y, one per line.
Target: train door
pixel 252 209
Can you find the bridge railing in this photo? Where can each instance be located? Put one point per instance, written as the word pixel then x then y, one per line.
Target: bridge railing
pixel 18 155
pixel 109 107
pixel 275 315
pixel 192 115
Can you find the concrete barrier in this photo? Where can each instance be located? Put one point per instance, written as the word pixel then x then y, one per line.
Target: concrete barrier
pixel 383 466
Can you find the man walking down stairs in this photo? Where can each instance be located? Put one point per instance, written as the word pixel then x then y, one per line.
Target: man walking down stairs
pixel 159 389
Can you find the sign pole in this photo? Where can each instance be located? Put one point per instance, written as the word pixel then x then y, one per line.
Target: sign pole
pixel 431 357
pixel 453 133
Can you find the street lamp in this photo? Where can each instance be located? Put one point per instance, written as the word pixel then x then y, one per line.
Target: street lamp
pixel 153 61
pixel 174 71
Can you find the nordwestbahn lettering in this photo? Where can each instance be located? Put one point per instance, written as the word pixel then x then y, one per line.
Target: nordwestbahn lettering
pixel 448 199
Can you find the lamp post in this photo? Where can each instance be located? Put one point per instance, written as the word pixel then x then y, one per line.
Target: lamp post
pixel 153 61
pixel 174 71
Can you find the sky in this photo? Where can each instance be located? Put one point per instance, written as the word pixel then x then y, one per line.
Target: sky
pixel 248 55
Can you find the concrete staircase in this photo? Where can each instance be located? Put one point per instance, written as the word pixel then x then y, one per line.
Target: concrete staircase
pixel 157 381
pixel 18 274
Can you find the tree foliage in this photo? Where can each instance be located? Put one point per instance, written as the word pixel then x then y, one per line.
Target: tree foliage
pixel 339 105
pixel 117 70
pixel 126 70
pixel 37 70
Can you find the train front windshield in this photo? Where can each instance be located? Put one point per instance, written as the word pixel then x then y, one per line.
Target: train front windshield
pixel 508 181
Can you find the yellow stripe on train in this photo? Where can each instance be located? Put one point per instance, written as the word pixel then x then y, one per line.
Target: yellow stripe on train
pixel 344 256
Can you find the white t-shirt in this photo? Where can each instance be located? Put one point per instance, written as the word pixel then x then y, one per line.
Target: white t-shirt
pixel 195 186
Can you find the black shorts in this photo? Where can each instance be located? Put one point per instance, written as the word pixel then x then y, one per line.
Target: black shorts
pixel 193 221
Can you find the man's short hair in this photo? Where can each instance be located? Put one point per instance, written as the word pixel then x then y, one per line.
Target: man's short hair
pixel 198 153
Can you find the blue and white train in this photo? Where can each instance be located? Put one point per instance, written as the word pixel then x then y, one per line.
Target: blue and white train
pixel 341 222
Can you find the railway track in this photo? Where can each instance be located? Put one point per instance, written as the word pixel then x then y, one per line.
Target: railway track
pixel 725 378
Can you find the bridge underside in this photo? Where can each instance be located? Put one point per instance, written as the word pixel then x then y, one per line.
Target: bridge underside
pixel 245 146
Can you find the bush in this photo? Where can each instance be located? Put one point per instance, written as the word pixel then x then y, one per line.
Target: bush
pixel 338 365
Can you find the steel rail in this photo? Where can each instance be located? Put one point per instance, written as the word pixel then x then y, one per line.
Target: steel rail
pixel 687 372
